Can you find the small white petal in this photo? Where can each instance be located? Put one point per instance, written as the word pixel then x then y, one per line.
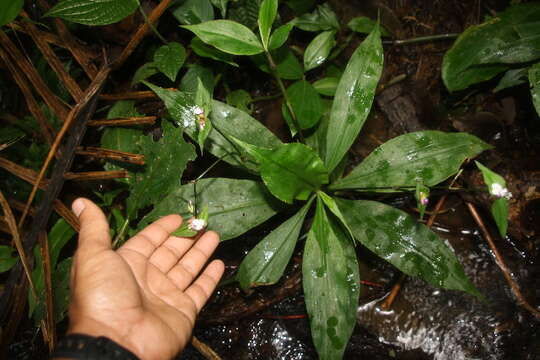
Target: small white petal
pixel 197 224
pixel 198 111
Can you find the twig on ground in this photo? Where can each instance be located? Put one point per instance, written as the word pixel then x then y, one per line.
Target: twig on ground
pixel 50 339
pixel 501 263
pixel 96 175
pixel 204 349
pixel 100 153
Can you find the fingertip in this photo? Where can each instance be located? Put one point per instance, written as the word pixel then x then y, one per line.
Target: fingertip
pixel 78 206
pixel 212 234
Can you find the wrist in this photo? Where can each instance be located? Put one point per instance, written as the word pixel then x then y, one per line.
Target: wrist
pixel 91 327
pixel 82 346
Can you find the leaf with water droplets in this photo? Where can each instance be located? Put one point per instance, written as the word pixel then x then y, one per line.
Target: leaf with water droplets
pixel 405 243
pixel 318 49
pixel 426 156
pixel 290 171
pixel 331 281
pixel 265 263
pixel 485 50
pixel 234 206
pixel 353 99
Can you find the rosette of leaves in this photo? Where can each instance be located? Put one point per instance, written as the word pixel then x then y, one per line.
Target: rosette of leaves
pixel 303 176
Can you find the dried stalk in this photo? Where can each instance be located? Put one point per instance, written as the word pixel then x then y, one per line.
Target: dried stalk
pixel 31 102
pixel 133 95
pixel 26 68
pixel 23 173
pixel 96 175
pixel 130 121
pixel 81 53
pixel 68 215
pixel 100 153
pixel 501 263
pixel 90 92
pixel 204 349
pixel 50 339
pixel 12 223
pixel 55 63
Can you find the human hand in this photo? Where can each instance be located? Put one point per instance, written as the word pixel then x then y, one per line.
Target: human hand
pixel 146 295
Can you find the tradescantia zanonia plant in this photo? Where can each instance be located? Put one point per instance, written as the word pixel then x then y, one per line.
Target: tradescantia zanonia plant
pixel 303 176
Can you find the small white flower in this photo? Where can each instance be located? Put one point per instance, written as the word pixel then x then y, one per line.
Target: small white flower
pixel 198 111
pixel 500 191
pixel 191 207
pixel 197 224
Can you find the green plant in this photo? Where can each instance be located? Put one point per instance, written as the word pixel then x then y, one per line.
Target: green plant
pixel 508 42
pixel 304 176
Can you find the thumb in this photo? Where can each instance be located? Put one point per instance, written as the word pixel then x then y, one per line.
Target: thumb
pixel 94 235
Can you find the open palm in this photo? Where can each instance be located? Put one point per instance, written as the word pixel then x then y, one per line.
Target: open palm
pixel 145 295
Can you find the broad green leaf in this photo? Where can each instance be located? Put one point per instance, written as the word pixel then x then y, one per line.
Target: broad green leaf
pixel 353 99
pixel 60 234
pixel 180 105
pixel 234 206
pixel 165 161
pixel 321 19
pixel 169 59
pixel 189 80
pixel 7 258
pixel 497 187
pixel 279 36
pixel 306 105
pixel 61 291
pixel 331 282
pixel 482 51
pixel 201 49
pixel 426 156
pixel 365 25
pixel 144 72
pixel 288 66
pixel 221 5
pixel 229 123
pixel 511 78
pixel 408 245
pixel 194 12
pixel 267 15
pixel 9 9
pixel 290 171
pixel 265 264
pixel 227 36
pixel 246 12
pixel 326 86
pixel 534 81
pixel 203 99
pixel 102 12
pixel 240 99
pixel 318 49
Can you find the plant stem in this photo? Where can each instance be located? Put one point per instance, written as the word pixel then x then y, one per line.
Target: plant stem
pixel 152 27
pixel 421 39
pixel 341 47
pixel 120 234
pixel 273 68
